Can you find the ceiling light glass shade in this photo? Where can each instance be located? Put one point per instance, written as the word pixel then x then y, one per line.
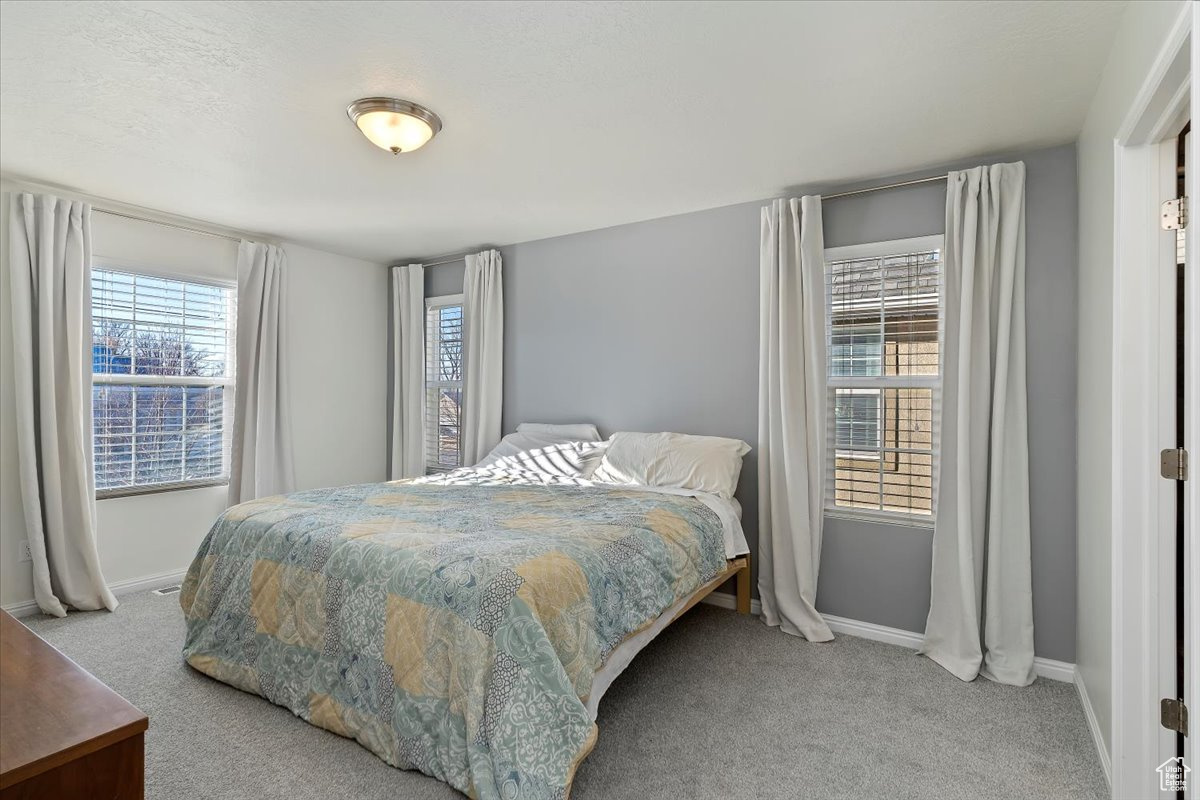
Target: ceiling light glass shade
pixel 397 126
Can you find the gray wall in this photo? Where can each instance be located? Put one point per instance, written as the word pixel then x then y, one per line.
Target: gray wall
pixel 654 326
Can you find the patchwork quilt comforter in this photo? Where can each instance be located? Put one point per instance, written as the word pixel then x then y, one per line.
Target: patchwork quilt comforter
pixel 450 629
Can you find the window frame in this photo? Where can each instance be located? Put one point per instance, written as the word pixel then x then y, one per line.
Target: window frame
pixel 227 382
pixel 881 249
pixel 431 303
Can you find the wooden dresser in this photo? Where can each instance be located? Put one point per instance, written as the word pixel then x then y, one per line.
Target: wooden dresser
pixel 63 733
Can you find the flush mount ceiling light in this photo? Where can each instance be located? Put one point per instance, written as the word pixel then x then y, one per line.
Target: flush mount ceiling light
pixel 397 126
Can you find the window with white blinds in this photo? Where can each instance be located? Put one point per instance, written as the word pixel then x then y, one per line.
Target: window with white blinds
pixel 884 337
pixel 162 382
pixel 443 383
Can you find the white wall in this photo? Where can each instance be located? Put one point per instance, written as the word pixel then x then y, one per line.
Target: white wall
pixel 339 368
pixel 1143 29
pixel 337 347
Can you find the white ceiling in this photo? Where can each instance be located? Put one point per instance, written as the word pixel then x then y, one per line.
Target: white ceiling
pixel 559 117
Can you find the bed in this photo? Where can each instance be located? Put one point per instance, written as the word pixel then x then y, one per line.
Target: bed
pixel 465 626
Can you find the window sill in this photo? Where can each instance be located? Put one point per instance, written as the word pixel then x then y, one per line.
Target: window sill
pixel 880 517
pixel 158 488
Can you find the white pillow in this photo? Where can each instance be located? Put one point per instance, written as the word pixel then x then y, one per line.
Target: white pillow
pixel 582 432
pixel 520 452
pixel 674 460
pixel 535 435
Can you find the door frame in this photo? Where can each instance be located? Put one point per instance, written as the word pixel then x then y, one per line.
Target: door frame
pixel 1143 503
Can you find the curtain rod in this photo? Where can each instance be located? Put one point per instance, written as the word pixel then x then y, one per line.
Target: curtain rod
pixel 888 186
pixel 437 261
pixel 450 259
pixel 447 258
pixel 200 231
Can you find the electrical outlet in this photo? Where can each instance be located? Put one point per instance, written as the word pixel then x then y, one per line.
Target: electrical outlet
pixel 25 554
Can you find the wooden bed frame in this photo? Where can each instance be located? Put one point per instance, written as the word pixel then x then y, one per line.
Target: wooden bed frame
pixel 738 568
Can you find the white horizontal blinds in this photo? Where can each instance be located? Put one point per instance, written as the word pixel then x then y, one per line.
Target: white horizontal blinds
pixel 884 335
pixel 443 385
pixel 162 375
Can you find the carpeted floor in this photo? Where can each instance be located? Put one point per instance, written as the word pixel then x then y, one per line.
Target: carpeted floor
pixel 717 706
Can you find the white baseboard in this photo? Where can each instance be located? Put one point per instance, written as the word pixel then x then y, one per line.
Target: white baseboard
pixel 149 582
pixel 876 633
pixel 1054 670
pixel 1044 667
pixel 723 600
pixel 1094 727
pixel 27 608
pixel 24 608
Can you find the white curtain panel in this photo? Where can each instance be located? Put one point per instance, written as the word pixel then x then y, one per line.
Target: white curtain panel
pixel 408 381
pixel 791 415
pixel 981 607
pixel 261 453
pixel 50 258
pixel 483 374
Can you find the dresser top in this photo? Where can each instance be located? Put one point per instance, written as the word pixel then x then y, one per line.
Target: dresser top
pixel 52 710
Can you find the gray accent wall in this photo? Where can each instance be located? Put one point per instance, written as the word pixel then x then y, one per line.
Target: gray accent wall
pixel 654 326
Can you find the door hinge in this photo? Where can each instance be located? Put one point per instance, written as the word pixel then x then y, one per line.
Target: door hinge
pixel 1175 214
pixel 1173 464
pixel 1174 715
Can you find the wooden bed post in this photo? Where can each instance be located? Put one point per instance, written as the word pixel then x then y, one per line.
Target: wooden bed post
pixel 743 587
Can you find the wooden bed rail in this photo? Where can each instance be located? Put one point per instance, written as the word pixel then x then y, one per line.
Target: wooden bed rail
pixel 738 568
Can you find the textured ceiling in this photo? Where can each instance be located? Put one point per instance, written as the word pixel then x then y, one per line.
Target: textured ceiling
pixel 559 117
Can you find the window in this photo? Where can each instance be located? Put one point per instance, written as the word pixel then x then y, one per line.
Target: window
pixel 884 314
pixel 162 382
pixel 443 383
